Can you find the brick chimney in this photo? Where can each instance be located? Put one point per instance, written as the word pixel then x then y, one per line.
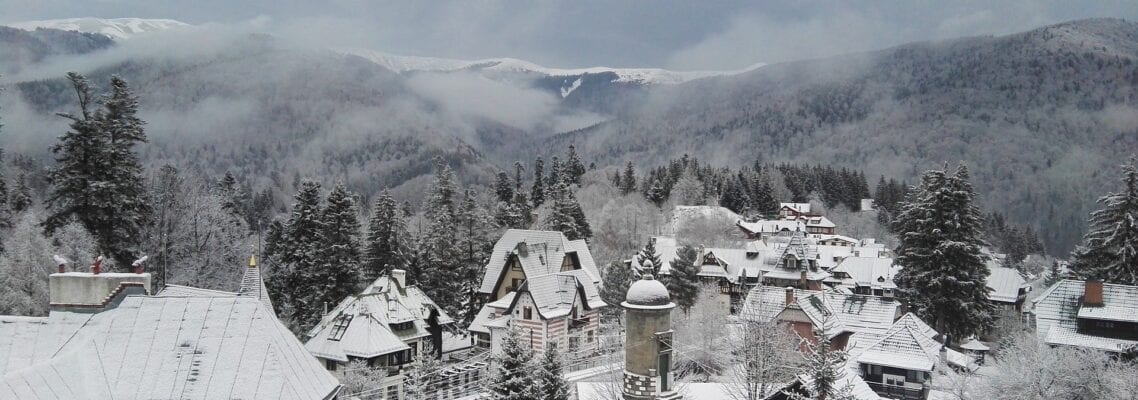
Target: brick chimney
pixel 1092 293
pixel 94 292
pixel 400 276
pixel 789 295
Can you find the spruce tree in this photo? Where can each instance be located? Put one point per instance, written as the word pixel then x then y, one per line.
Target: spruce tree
pixel 614 285
pixel 825 368
pixel 574 168
pixel 439 273
pixel 555 174
pixel 566 215
pixel 5 214
pixel 338 276
pixel 512 378
pixel 1110 247
pixel 649 253
pixel 98 178
pixel 537 193
pixel 551 378
pixel 21 198
pixel 503 188
pixel 298 247
pixel 656 194
pixel 682 280
pixel 734 197
pixel 945 274
pixel 628 181
pixel 383 249
pixel 473 240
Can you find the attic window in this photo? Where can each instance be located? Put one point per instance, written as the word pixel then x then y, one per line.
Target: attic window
pixel 340 326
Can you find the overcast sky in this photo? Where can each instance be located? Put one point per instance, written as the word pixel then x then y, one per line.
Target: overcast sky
pixel 575 33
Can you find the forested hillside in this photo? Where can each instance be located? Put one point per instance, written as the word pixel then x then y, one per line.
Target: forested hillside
pixel 1036 116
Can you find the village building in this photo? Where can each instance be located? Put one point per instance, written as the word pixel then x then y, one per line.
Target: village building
pixel 794 210
pixel 867 275
pixel 648 350
pixel 545 285
pixel 387 325
pixel 1007 288
pixel 106 337
pixel 1088 314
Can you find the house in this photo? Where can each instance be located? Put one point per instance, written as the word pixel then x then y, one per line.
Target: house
pixel 860 315
pixel 792 260
pixel 1088 314
pixel 106 337
pixel 899 365
pixel 1007 288
pixel 795 210
pixel 387 325
pixel 867 275
pixel 819 225
pixel 545 284
pixel 764 228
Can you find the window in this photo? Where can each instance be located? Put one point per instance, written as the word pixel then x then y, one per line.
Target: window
pixel 330 365
pixel 516 283
pixel 1104 324
pixel 528 313
pixel 590 337
pixel 340 326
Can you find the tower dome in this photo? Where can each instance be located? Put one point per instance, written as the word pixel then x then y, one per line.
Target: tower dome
pixel 647 292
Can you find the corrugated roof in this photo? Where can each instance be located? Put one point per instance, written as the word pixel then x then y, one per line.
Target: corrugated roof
pixel 540 253
pixel 1057 311
pixel 1004 284
pixel 872 272
pixel 369 332
pixel 160 347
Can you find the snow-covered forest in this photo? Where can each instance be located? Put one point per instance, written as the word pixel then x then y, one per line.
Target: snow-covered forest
pixel 768 233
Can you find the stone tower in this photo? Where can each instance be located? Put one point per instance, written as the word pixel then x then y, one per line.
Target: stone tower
pixel 648 342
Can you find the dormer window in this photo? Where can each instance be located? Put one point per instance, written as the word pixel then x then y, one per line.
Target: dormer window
pixel 340 326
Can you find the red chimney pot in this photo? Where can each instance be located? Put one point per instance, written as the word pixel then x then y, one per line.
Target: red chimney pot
pixel 1092 293
pixel 789 295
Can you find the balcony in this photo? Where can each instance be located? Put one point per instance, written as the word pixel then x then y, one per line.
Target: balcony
pixel 578 323
pixel 899 392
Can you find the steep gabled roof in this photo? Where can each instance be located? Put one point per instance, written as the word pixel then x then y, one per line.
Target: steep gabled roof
pixel 868 271
pixel 902 348
pixel 1058 309
pixel 1004 284
pixel 555 294
pixel 160 347
pixel 253 286
pixel 538 252
pixel 360 326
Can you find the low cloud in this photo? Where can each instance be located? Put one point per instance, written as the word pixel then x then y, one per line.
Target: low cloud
pixel 472 95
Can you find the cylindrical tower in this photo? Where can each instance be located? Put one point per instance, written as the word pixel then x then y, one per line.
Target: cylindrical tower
pixel 648 341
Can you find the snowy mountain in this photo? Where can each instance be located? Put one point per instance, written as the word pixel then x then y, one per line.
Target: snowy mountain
pixel 115 28
pixel 503 66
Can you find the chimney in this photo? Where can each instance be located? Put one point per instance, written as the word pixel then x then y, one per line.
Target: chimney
pixel 97 266
pixel 802 278
pixel 400 276
pixel 137 264
pixel 789 295
pixel 1092 293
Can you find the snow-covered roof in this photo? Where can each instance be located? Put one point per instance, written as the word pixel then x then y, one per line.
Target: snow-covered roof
pixel 861 314
pixel 647 292
pixel 872 272
pixel 763 303
pixel 1057 311
pixel 820 222
pixel 1004 284
pixel 803 208
pixel 555 294
pixel 159 347
pixel 772 225
pixel 840 238
pixel 902 348
pixel 361 325
pixel 252 285
pixel 188 291
pixel 735 263
pixel 539 253
pixel 822 316
pixel 666 249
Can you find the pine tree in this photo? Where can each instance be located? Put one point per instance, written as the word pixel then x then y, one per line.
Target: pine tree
pixel 1110 247
pixel 98 178
pixel 439 273
pixel 734 197
pixel 551 378
pixel 338 275
pixel 512 378
pixel 615 282
pixel 21 197
pixel 555 174
pixel 649 253
pixel 628 181
pixel 537 193
pixel 566 215
pixel 945 275
pixel 682 280
pixel 473 241
pixel 503 188
pixel 764 201
pixel 383 249
pixel 229 191
pixel 574 169
pixel 299 251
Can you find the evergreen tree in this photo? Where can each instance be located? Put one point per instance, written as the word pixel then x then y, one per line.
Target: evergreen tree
pixel 298 249
pixel 764 201
pixel 825 368
pixel 649 253
pixel 383 249
pixel 512 378
pixel 537 193
pixel 555 174
pixel 422 377
pixel 5 215
pixel 682 280
pixel 338 277
pixel 1054 274
pixel 688 190
pixel 98 178
pixel 735 198
pixel 945 275
pixel 439 272
pixel 551 378
pixel 656 193
pixel 566 215
pixel 574 168
pixel 1110 247
pixel 21 197
pixel 628 181
pixel 473 240
pixel 503 188
pixel 615 282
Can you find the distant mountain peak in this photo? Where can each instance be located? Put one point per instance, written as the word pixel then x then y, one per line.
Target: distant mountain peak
pixel 115 28
pixel 405 64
